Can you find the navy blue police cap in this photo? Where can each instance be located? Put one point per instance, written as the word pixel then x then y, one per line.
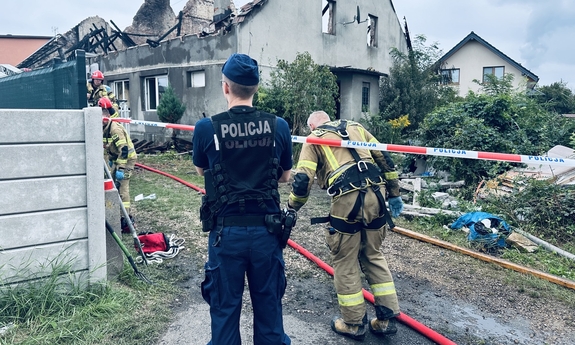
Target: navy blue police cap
pixel 242 69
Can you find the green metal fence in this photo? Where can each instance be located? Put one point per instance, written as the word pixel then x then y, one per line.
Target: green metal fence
pixel 61 86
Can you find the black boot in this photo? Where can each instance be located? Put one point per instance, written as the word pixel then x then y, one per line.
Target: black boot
pixel 126 226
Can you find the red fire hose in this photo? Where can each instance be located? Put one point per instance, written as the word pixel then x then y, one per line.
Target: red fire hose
pixel 406 320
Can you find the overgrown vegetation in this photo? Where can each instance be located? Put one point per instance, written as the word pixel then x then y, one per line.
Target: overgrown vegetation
pixel 57 310
pixel 296 89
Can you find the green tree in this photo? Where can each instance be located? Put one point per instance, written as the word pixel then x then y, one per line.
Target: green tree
pixel 413 86
pixel 171 109
pixel 556 97
pixel 297 89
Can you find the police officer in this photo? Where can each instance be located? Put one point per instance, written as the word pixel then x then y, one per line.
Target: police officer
pixel 97 90
pixel 119 151
pixel 243 153
pixel 356 180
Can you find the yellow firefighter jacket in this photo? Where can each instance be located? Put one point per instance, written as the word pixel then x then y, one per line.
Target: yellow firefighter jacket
pixel 102 91
pixel 329 162
pixel 118 146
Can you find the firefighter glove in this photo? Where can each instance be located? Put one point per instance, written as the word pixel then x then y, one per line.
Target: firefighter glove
pixel 120 175
pixel 395 206
pixel 111 163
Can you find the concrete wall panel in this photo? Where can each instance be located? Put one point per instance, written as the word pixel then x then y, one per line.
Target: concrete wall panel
pixel 53 160
pixel 39 261
pixel 42 194
pixel 43 126
pixel 29 229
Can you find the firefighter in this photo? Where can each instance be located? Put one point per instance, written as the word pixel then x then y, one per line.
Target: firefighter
pixel 120 153
pixel 243 153
pixel 97 90
pixel 356 180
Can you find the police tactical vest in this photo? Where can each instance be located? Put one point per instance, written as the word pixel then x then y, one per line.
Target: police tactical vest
pixel 248 169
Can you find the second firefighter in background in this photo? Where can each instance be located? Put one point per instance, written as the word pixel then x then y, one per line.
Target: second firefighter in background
pixel 120 154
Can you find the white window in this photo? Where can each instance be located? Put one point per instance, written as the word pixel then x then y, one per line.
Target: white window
pixel 197 79
pixel 155 88
pixel 122 89
pixel 450 76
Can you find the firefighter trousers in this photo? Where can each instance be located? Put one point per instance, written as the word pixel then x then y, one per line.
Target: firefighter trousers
pixel 234 253
pixel 351 255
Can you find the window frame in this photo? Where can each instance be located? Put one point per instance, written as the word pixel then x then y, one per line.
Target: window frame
pixel 365 99
pixel 190 79
pixel 493 72
pixel 153 106
pixel 450 70
pixel 372 31
pixel 328 17
pixel 125 94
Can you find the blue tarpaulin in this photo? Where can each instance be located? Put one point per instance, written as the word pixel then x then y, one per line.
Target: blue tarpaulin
pixel 484 227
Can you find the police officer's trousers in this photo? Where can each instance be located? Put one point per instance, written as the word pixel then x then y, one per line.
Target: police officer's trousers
pixel 241 251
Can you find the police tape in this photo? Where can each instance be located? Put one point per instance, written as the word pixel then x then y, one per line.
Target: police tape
pixel 437 151
pixel 418 150
pixel 151 123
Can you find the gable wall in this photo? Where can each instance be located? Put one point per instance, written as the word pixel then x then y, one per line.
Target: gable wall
pixel 471 58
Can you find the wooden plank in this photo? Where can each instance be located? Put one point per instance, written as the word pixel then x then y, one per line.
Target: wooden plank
pixel 31 229
pixel 20 196
pixel 35 160
pixel 39 261
pixel 42 126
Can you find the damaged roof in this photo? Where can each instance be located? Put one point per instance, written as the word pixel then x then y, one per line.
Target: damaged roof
pixel 246 9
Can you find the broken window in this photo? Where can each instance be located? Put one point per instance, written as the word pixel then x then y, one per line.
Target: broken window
pixel 155 88
pixel 372 32
pixel 197 79
pixel 328 17
pixel 365 97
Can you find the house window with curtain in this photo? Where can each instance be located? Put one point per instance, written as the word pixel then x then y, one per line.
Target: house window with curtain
pixel 497 71
pixel 450 76
pixel 155 88
pixel 365 97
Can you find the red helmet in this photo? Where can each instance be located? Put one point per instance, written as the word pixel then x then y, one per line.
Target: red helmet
pixel 98 75
pixel 105 103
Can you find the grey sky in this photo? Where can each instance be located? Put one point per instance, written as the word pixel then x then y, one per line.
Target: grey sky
pixel 537 34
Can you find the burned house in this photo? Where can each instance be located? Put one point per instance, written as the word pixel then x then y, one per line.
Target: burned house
pixel 187 50
pixel 353 39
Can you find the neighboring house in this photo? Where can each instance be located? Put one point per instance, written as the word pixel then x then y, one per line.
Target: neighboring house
pixel 15 48
pixel 473 58
pixel 353 39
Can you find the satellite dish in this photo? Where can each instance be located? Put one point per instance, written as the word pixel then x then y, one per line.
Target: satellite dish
pixel 356 18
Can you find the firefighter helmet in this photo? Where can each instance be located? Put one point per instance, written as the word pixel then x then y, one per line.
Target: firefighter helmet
pixel 97 75
pixel 105 103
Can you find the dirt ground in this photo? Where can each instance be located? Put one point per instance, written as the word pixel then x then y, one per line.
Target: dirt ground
pixel 466 300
